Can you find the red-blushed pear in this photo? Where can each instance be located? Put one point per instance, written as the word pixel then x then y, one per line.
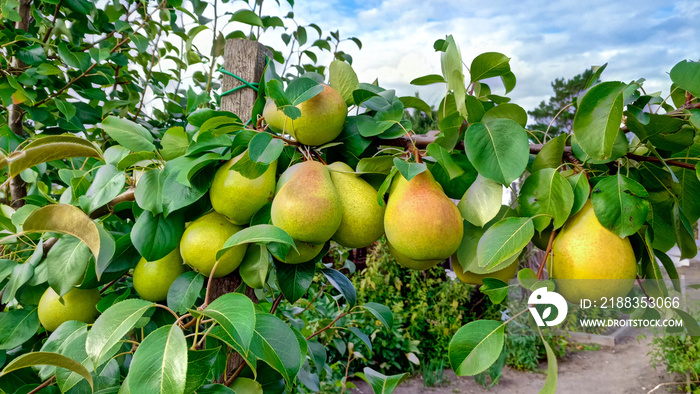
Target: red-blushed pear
pixel 203 238
pixel 307 207
pixel 321 121
pixel 588 261
pixel 152 279
pixel 363 217
pixel 421 222
pixel 237 197
pixel 77 305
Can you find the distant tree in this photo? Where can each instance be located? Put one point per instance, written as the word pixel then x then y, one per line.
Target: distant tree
pixel 564 93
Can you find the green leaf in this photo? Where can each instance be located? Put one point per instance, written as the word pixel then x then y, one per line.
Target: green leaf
pixel 506 111
pixel 154 236
pixel 174 142
pixel 476 346
pixel 254 267
pixel 342 284
pixel 47 358
pixel 551 154
pixel 686 75
pixel 17 326
pixel 109 329
pixel 302 89
pixel 546 192
pixel 235 313
pixel 375 165
pixel 385 186
pixel 582 190
pixel 417 103
pixel 499 149
pixel 597 120
pixel 381 312
pixel 381 384
pixel 685 238
pixel 246 385
pixel 184 291
pixel 248 17
pixel 488 65
pixel 428 80
pixel 249 168
pixel 503 240
pixel 444 158
pixel 66 108
pixel 48 149
pixel 128 134
pixel 133 159
pixel 620 204
pixel 295 279
pixel 107 184
pixel 663 131
pixel 481 202
pixel 409 170
pixel 453 71
pixel 343 79
pixel 65 219
pixel 264 149
pixel 690 324
pixel 160 363
pixel 495 289
pixel 262 233
pixel 199 364
pixel 67 261
pixel 275 343
pixel 550 383
pixel 149 190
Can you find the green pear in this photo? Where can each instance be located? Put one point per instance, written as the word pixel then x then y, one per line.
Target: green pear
pixel 152 279
pixel 237 197
pixel 286 175
pixel 307 207
pixel 306 252
pixel 206 236
pixel 589 261
pixel 77 305
pixel 321 121
pixel 421 222
pixel 504 275
pixel 363 217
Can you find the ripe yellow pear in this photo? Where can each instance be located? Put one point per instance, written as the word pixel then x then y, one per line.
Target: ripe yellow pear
pixel 152 279
pixel 77 305
pixel 238 197
pixel 589 261
pixel 505 274
pixel 363 217
pixel 321 121
pixel 307 207
pixel 421 222
pixel 203 238
pixel 306 252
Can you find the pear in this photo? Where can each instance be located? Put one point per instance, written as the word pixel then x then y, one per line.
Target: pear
pixel 589 261
pixel 363 217
pixel 286 175
pixel 77 305
pixel 421 222
pixel 307 207
pixel 410 263
pixel 237 197
pixel 321 121
pixel 306 252
pixel 152 279
pixel 203 238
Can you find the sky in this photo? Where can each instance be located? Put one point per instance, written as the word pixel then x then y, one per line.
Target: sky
pixel 544 39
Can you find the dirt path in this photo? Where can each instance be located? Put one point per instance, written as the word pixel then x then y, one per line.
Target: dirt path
pixel 623 369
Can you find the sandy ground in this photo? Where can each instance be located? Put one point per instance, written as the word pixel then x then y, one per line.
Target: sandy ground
pixel 622 369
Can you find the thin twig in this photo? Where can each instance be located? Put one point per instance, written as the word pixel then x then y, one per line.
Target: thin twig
pixel 276 304
pixel 330 325
pixel 53 22
pixel 48 382
pixel 540 270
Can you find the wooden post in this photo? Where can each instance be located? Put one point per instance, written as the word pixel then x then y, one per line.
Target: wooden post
pixel 246 59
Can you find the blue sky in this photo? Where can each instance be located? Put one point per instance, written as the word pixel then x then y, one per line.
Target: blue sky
pixel 545 40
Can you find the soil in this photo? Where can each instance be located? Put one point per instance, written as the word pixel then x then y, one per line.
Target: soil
pixel 622 369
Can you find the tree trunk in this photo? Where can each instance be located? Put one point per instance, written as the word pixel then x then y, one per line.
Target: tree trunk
pixel 246 59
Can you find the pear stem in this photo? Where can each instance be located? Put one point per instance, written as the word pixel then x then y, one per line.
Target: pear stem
pixel 540 271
